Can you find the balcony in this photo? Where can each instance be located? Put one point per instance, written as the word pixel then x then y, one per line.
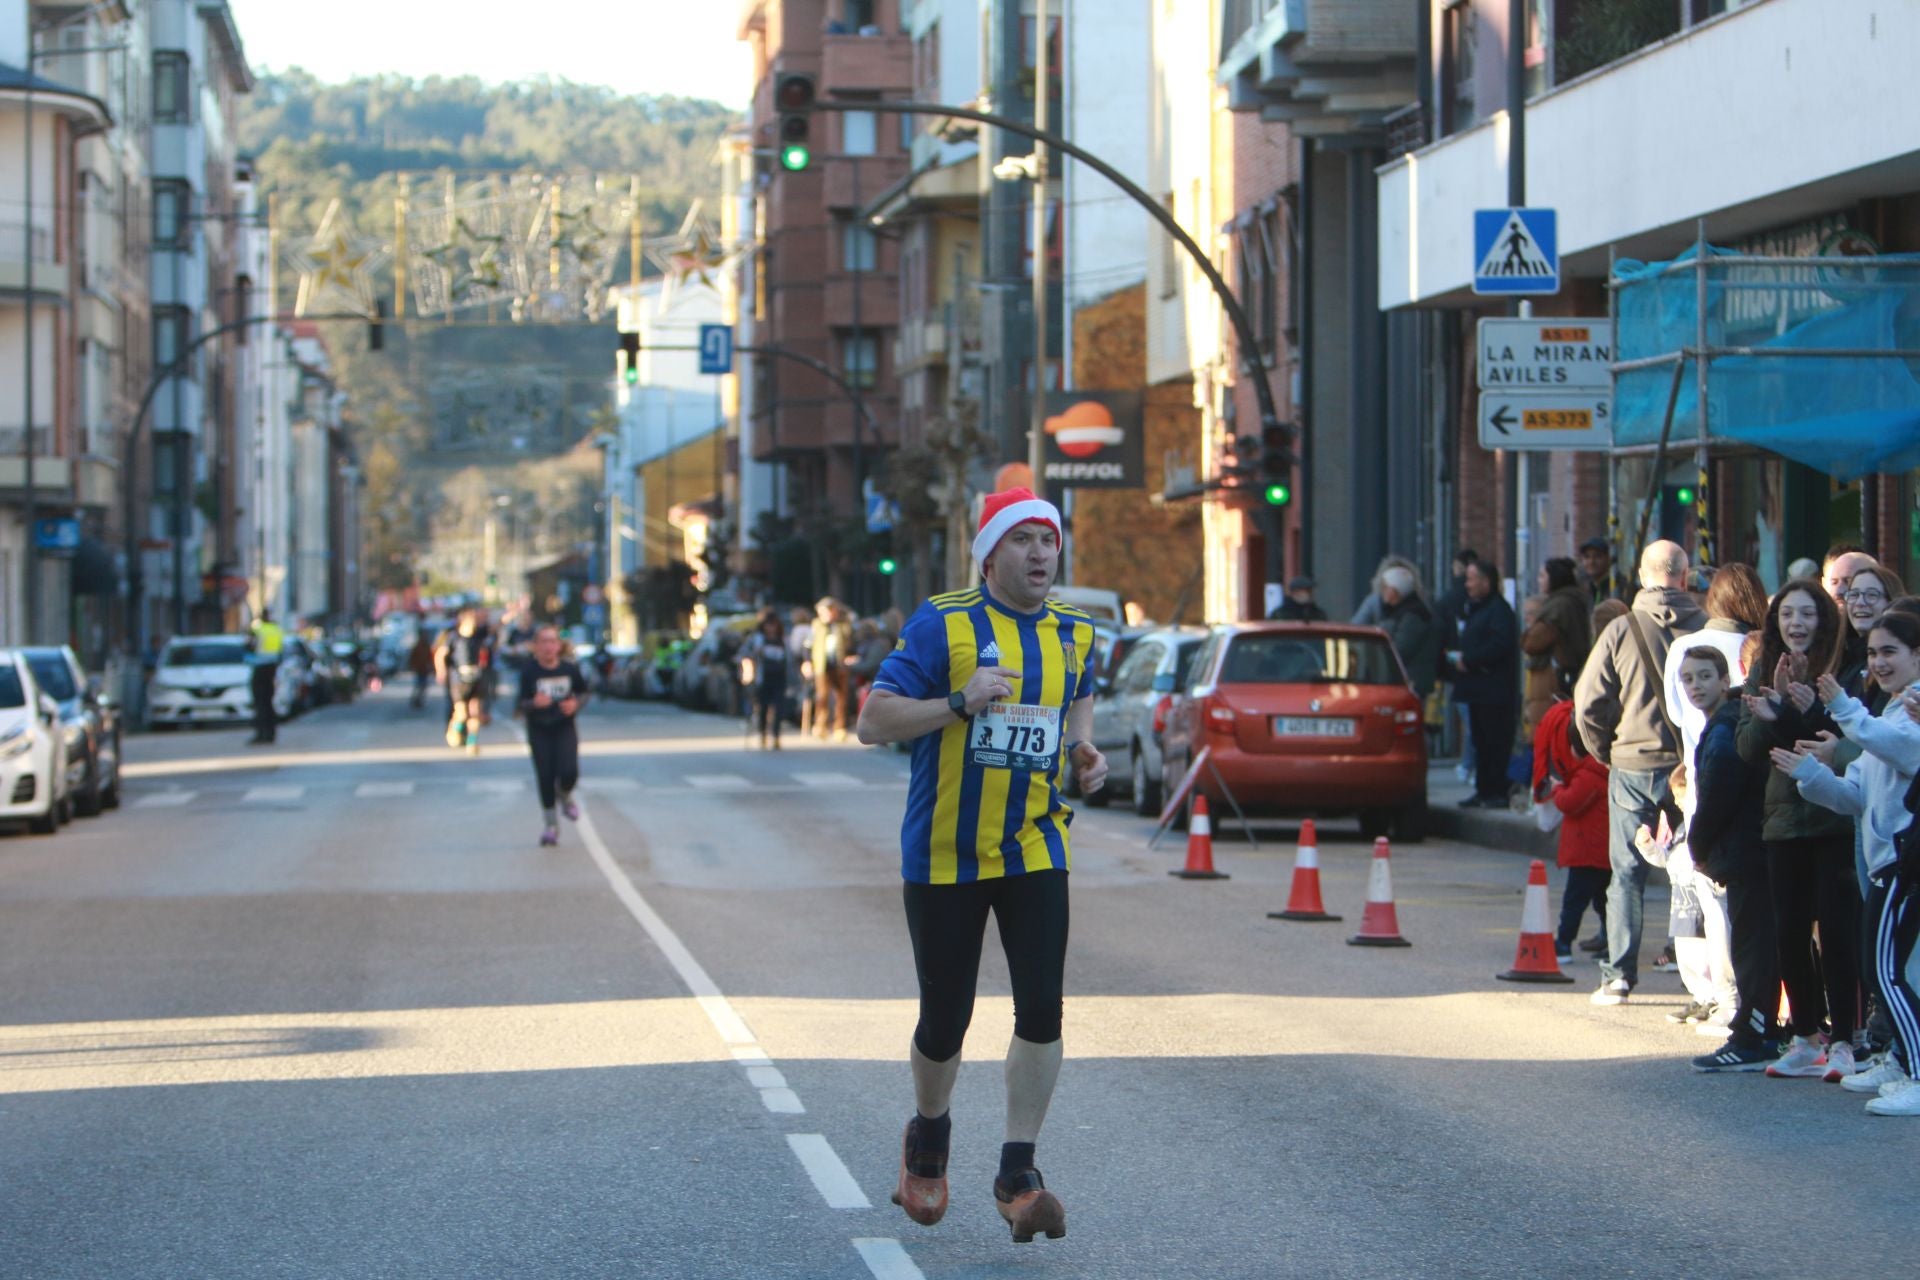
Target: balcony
pixel 1328 68
pixel 866 64
pixel 1752 120
pixel 21 244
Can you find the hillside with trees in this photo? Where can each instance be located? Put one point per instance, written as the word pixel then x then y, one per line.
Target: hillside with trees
pixel 448 409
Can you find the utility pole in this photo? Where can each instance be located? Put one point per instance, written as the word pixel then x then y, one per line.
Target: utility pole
pixel 1037 406
pixel 1512 467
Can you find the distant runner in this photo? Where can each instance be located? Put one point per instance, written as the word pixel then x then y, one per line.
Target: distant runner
pixel 466 667
pixel 991 688
pixel 552 691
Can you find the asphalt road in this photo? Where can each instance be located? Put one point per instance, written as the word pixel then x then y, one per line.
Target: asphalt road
pixel 325 1009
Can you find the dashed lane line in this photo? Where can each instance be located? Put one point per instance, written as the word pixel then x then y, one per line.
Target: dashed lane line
pixel 829 1173
pixel 382 790
pixel 278 793
pixel 718 781
pixel 165 799
pixel 887 1259
pixel 827 781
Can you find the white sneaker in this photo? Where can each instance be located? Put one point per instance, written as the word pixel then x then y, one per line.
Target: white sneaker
pixel 1903 1102
pixel 1876 1072
pixel 1719 1023
pixel 1805 1059
pixel 1615 992
pixel 1840 1063
pixel 1902 1083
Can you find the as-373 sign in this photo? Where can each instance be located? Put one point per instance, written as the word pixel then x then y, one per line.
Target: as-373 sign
pixel 1095 440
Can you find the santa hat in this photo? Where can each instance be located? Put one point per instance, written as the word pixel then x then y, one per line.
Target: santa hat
pixel 1006 509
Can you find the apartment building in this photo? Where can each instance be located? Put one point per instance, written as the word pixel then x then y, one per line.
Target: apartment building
pixel 826 286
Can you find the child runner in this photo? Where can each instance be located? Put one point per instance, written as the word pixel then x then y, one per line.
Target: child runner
pixel 1874 789
pixel 552 691
pixel 1723 838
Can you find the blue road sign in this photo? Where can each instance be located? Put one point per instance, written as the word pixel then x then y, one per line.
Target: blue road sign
pixel 880 513
pixel 716 348
pixel 1516 251
pixel 57 535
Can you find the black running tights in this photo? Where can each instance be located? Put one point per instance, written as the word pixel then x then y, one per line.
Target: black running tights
pixel 948 924
pixel 556 758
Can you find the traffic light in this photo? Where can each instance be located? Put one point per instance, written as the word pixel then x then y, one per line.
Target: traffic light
pixel 630 358
pixel 1276 463
pixel 793 100
pixel 1239 462
pixel 888 565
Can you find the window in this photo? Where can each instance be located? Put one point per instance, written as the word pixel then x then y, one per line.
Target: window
pixel 172 202
pixel 170 89
pixel 1136 673
pixel 859 14
pixel 1277 658
pixel 860 358
pixel 169 336
pixel 859 133
pixel 166 460
pixel 1456 69
pixel 859 247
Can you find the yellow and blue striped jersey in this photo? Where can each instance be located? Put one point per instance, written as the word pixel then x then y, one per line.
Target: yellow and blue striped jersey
pixel 984 799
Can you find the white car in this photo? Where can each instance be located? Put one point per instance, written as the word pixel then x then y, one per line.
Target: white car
pixel 201 680
pixel 33 751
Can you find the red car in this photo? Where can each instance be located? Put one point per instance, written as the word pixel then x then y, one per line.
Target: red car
pixel 1307 718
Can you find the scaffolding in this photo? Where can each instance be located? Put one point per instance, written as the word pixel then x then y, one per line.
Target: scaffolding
pixel 1813 359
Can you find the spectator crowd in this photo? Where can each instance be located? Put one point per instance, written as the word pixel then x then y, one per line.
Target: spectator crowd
pixel 1761 752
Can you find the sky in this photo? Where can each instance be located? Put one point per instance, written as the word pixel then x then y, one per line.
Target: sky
pixel 680 47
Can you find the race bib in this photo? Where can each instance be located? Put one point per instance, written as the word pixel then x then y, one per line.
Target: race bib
pixel 1011 735
pixel 559 688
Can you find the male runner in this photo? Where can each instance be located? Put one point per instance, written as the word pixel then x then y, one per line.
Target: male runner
pixel 991 687
pixel 468 667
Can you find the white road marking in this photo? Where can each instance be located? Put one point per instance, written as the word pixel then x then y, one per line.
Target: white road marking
pixel 718 781
pixel 495 786
pixel 782 1102
pixel 165 799
pixel 382 790
pixel 887 1259
pixel 827 780
pixel 750 1055
pixel 595 785
pixel 766 1078
pixel 273 794
pixel 829 1174
pixel 705 990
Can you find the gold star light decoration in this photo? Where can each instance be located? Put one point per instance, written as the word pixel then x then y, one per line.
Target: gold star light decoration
pixel 693 256
pixel 468 252
pixel 337 267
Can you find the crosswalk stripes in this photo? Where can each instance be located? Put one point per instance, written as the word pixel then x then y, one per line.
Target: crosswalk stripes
pixel 496 786
pixel 718 781
pixel 165 799
pixel 605 785
pixel 827 781
pixel 274 793
pixel 382 790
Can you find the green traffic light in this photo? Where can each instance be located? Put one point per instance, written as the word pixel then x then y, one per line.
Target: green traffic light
pixel 1278 495
pixel 888 565
pixel 795 156
pixel 1684 496
pixel 632 375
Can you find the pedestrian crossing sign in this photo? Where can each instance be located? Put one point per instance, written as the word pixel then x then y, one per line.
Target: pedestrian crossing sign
pixel 1516 251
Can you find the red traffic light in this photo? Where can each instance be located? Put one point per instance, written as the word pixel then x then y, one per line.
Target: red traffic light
pixel 793 93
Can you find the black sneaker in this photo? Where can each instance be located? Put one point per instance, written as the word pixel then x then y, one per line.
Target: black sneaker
pixel 1737 1057
pixel 1594 945
pixel 1694 1012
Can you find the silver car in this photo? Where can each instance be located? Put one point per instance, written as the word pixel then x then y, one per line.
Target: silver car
pixel 1130 709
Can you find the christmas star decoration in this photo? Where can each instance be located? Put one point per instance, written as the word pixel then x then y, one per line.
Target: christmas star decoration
pixel 337 267
pixel 694 254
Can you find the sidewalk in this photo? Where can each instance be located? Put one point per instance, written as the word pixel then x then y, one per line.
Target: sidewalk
pixel 1502 829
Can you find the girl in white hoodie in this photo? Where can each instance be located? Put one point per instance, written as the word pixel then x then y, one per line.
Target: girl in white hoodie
pixel 1874 792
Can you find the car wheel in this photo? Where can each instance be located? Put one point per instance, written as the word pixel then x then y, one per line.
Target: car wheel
pixel 110 795
pixel 1146 790
pixel 1410 823
pixel 63 810
pixel 1375 823
pixel 46 824
pixel 88 803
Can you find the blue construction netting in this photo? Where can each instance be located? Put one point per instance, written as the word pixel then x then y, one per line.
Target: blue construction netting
pixel 1845 415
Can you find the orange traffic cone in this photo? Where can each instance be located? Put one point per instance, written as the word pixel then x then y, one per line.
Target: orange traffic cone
pixel 1379 924
pixel 1304 902
pixel 1535 961
pixel 1199 846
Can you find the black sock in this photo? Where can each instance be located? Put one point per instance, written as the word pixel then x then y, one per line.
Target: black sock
pixel 932 1136
pixel 1014 1157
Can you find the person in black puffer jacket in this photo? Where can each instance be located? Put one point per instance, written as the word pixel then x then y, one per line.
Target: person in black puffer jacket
pixel 1483 666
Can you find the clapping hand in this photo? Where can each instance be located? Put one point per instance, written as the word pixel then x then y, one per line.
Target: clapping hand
pixel 1787 761
pixel 1791 669
pixel 1821 746
pixel 1764 706
pixel 1800 696
pixel 1911 701
pixel 1829 688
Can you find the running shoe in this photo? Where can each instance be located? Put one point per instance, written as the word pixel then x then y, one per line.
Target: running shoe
pixel 1840 1063
pixel 1595 944
pixel 1904 1102
pixel 1874 1074
pixel 456 736
pixel 922 1188
pixel 1805 1059
pixel 549 836
pixel 1694 1011
pixel 1615 992
pixel 568 807
pixel 1735 1057
pixel 1029 1208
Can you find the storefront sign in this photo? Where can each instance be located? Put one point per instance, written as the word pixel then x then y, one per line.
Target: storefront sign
pixel 1095 440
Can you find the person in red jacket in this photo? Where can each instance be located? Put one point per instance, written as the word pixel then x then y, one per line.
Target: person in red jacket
pixel 1565 776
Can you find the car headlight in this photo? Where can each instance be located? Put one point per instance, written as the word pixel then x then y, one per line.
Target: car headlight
pixel 16 741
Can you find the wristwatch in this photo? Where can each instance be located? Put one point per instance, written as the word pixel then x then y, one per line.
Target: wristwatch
pixel 957 700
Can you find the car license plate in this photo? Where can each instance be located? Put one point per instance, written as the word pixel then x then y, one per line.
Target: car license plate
pixel 1311 727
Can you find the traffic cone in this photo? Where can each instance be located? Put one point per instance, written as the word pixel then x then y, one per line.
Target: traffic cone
pixel 1535 961
pixel 1379 924
pixel 1304 903
pixel 1199 846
